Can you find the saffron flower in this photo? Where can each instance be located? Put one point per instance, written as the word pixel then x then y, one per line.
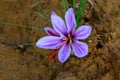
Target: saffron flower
pixel 65 37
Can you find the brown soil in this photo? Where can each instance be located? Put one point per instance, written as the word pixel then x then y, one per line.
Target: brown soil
pixel 31 63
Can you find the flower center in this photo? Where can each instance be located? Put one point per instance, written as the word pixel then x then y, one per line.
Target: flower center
pixel 68 39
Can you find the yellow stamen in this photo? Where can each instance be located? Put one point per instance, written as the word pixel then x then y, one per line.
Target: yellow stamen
pixel 68 35
pixel 70 41
pixel 65 39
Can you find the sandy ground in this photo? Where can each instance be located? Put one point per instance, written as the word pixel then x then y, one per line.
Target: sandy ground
pixel 31 63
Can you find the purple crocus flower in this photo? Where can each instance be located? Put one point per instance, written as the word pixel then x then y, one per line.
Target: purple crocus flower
pixel 64 36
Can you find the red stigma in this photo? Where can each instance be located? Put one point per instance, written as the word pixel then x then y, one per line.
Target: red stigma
pixel 51 33
pixel 54 53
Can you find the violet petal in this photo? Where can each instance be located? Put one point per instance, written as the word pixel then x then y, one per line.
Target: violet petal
pixel 58 24
pixel 49 42
pixel 80 49
pixel 64 52
pixel 70 20
pixel 82 32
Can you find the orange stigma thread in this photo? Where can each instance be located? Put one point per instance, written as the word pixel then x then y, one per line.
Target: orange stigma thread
pixel 54 53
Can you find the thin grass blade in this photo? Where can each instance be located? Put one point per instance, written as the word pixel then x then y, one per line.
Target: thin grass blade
pixel 72 3
pixel 65 5
pixel 20 25
pixel 43 16
pixel 81 9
